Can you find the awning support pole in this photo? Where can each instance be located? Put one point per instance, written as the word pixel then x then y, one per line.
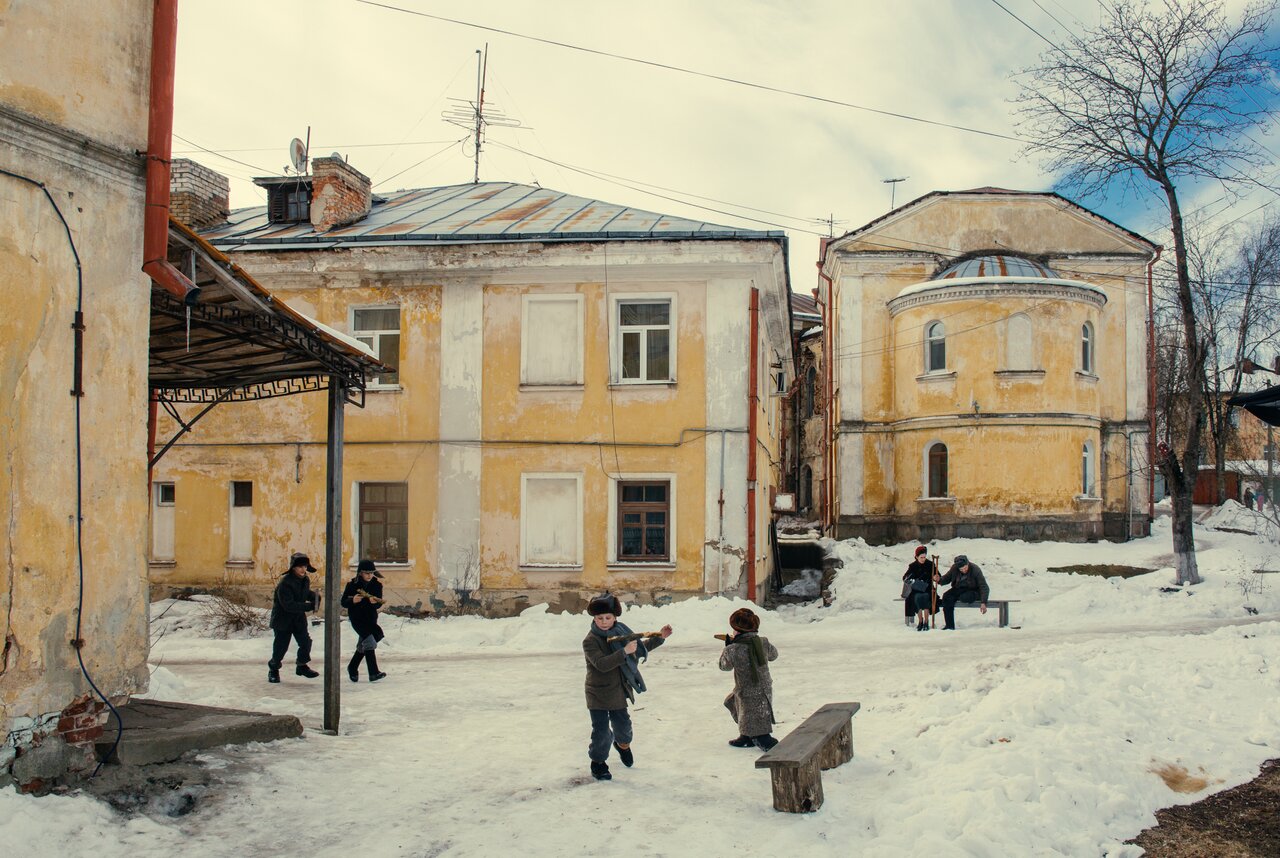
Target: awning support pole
pixel 333 554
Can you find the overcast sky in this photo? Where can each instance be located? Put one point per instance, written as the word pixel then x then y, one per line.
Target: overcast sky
pixel 372 82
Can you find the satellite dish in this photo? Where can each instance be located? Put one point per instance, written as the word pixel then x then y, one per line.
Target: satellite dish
pixel 298 155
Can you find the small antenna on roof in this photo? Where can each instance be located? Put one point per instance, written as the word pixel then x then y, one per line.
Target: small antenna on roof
pixel 893 186
pixel 477 115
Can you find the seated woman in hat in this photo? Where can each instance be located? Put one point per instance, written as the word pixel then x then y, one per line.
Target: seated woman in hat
pixel 750 703
pixel 613 679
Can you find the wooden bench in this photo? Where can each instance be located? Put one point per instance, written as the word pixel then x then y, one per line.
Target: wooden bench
pixel 823 741
pixel 1001 605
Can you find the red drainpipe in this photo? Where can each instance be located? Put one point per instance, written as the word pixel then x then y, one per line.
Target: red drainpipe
pixel 155 236
pixel 1151 387
pixel 753 404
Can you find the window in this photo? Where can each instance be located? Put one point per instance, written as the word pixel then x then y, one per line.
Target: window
pixel 551 340
pixel 1018 352
pixel 551 520
pixel 936 466
pixel 289 202
pixel 162 515
pixel 643 524
pixel 810 391
pixel 935 347
pixel 643 343
pixel 1086 348
pixel 241 522
pixel 384 522
pixel 1086 470
pixel 379 329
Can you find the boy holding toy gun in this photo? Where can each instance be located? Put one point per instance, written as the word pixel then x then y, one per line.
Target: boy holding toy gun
pixel 613 654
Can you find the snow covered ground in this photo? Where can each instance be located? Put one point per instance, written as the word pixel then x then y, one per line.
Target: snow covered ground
pixel 1044 739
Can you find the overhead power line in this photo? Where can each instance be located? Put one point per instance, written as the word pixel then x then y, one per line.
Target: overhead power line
pixel 682 70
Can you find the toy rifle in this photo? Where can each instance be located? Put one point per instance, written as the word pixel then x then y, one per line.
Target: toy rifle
pixel 370 596
pixel 634 636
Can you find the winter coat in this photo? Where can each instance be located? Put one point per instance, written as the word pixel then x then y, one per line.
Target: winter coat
pixel 917 571
pixel 363 614
pixel 751 701
pixel 606 688
pixel 971 581
pixel 292 600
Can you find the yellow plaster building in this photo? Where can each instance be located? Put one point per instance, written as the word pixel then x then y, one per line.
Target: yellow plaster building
pixel 568 406
pixel 990 371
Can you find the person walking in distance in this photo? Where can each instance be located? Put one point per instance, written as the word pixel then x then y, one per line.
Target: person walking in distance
pixel 968 585
pixel 361 598
pixel 613 679
pixel 289 606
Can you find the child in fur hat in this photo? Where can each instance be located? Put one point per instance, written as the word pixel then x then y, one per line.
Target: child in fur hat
pixel 613 678
pixel 750 703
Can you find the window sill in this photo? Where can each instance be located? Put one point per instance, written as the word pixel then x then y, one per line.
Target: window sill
pixel 1087 500
pixel 387 566
pixel 525 387
pixel 1036 374
pixel 634 565
pixel 620 384
pixel 549 567
pixel 162 564
pixel 947 501
pixel 383 388
pixel 1086 376
pixel 937 376
pixel 239 564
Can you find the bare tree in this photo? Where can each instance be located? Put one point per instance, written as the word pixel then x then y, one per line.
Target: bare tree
pixel 1156 97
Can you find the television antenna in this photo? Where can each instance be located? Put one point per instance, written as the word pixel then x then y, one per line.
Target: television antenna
pixel 893 186
pixel 476 116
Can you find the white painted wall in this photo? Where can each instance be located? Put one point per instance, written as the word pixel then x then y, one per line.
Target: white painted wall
pixel 1135 308
pixel 461 380
pixel 849 364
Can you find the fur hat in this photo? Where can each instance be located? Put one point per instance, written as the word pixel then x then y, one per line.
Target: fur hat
pixel 744 620
pixel 923 549
pixel 300 559
pixel 606 603
pixel 960 562
pixel 366 565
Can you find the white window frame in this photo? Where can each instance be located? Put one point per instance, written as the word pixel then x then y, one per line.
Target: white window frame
pixel 1088 471
pixel 615 335
pixel 1088 349
pixel 524 520
pixel 233 528
pixel 374 384
pixel 168 520
pixel 929 368
pixel 525 334
pixel 611 549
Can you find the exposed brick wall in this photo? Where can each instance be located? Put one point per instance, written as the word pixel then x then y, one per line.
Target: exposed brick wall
pixel 340 194
pixel 199 197
pixel 55 748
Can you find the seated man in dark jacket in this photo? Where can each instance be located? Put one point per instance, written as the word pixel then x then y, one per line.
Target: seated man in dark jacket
pixel 967 585
pixel 293 599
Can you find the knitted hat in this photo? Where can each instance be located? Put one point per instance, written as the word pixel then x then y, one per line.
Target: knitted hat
pixel 744 620
pixel 300 559
pixel 366 565
pixel 923 549
pixel 606 603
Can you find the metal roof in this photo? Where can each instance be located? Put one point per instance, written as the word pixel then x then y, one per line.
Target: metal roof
pixel 997 266
pixel 487 211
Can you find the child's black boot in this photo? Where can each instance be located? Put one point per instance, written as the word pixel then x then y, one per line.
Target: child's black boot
pixel 600 770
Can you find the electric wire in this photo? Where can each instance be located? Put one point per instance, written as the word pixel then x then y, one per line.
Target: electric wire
pixel 78 643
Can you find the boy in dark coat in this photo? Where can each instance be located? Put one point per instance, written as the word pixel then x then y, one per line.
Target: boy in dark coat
pixel 968 585
pixel 361 598
pixel 289 606
pixel 613 678
pixel 750 703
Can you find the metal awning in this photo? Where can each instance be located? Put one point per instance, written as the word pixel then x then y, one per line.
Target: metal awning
pixel 1264 404
pixel 236 341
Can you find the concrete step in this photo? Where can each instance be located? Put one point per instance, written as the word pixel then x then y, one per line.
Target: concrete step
pixel 158 731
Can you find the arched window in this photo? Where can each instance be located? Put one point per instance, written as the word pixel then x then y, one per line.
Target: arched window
pixel 806 487
pixel 1086 348
pixel 935 347
pixel 1086 470
pixel 1018 351
pixel 936 467
pixel 810 390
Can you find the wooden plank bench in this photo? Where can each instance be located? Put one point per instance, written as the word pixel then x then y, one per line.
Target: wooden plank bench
pixel 823 741
pixel 1001 606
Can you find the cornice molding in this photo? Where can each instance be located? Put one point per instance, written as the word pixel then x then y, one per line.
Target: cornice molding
pixel 27 133
pixel 945 293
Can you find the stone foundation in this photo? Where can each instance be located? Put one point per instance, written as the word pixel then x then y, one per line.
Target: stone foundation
pixel 1114 527
pixel 54 749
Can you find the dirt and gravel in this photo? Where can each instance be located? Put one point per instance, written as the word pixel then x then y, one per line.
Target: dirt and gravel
pixel 1241 822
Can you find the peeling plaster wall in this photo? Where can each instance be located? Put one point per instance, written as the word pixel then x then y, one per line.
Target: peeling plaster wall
pixel 72 113
pixel 461 409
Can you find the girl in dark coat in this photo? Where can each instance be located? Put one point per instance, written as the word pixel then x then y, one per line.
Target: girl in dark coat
pixel 917 587
pixel 361 598
pixel 613 678
pixel 750 703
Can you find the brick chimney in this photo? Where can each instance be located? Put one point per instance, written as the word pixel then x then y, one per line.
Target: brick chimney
pixel 199 197
pixel 340 194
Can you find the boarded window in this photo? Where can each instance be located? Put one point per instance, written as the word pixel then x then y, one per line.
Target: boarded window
pixel 1018 346
pixel 384 522
pixel 644 520
pixel 162 521
pixel 552 340
pixel 241 529
pixel 551 520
